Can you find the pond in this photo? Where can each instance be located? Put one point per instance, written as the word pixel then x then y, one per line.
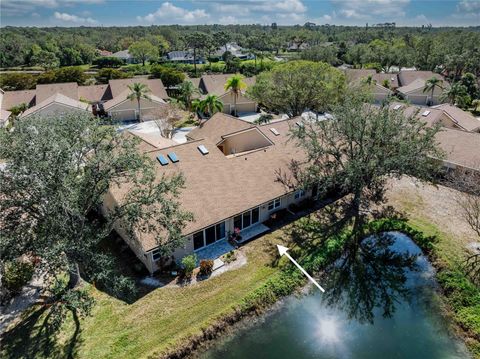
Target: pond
pixel 308 327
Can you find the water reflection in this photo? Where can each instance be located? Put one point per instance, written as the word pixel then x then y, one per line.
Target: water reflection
pixel 372 274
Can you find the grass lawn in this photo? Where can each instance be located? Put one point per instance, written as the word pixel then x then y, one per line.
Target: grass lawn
pixel 154 323
pixel 165 317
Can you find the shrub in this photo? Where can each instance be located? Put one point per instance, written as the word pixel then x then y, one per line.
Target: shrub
pixel 206 267
pixel 170 77
pixel 229 257
pixel 17 81
pixel 189 263
pixel 108 62
pixel 17 274
pixel 104 75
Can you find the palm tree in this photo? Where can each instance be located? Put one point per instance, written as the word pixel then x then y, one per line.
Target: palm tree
pixel 456 94
pixel 431 84
pixel 138 91
pixel 187 90
pixel 210 105
pixel 235 84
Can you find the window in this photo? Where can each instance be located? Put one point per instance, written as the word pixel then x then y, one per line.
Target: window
pixel 173 157
pixel 220 229
pixel 156 255
pixel 198 240
pixel 299 194
pixel 163 161
pixel 247 219
pixel 274 204
pixel 237 222
pixel 255 215
pixel 210 235
pixel 203 150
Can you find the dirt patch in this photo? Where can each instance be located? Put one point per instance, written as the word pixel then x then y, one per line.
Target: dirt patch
pixel 437 204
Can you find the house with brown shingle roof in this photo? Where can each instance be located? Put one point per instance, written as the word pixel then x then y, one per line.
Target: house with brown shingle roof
pixel 231 171
pixel 113 96
pixel 376 87
pixel 412 85
pixel 215 85
pixel 231 181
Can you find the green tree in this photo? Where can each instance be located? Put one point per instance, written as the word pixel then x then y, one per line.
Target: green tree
pixel 169 76
pixel 358 151
pixel 45 59
pixel 456 95
pixel 222 38
pixel 107 74
pixel 210 105
pixel 470 82
pixel 137 92
pixel 17 81
pixel 187 91
pixel 160 43
pixel 235 85
pixel 49 204
pixel 106 61
pixel 297 86
pixel 197 41
pixel 143 51
pixel 431 84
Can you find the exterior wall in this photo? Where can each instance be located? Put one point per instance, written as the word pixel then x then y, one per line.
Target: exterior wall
pixel 244 104
pixel 418 97
pixel 244 141
pixel 447 121
pixel 127 110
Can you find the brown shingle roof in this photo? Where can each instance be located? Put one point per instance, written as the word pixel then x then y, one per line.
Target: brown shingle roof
pixel 15 98
pixel 69 89
pixel 391 78
pixel 219 187
pixel 461 147
pixel 95 93
pixel 155 85
pixel 58 98
pixel 354 75
pixel 462 118
pixel 408 76
pixel 220 124
pixel 433 116
pixel 215 84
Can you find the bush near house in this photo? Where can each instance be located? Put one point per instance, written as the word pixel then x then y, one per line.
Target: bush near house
pixel 206 267
pixel 102 62
pixel 188 264
pixel 169 76
pixel 17 274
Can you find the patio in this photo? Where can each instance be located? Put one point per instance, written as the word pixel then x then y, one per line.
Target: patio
pixel 252 232
pixel 214 252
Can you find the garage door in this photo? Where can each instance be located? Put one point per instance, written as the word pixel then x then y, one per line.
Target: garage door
pixel 246 107
pixel 123 115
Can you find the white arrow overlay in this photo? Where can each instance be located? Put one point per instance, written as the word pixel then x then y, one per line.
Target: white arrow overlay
pixel 283 250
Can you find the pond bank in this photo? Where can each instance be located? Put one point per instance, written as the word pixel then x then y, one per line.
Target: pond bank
pixel 288 281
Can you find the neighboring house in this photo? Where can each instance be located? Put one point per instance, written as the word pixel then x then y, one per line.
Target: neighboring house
pixel 236 51
pixel 379 92
pixel 125 56
pixel 412 85
pixel 446 115
pixel 57 104
pixel 455 117
pixel 234 185
pixel 295 46
pixel 215 84
pixel 184 57
pixel 104 53
pixel 462 149
pixel 108 99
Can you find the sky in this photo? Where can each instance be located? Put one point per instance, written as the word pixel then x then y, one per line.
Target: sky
pixel 194 12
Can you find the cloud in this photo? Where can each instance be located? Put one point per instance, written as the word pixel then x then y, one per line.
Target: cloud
pixel 469 6
pixel 368 9
pixel 16 8
pixel 63 16
pixel 226 20
pixel 169 13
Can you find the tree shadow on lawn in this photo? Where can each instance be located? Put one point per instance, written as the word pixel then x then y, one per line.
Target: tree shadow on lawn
pixel 35 337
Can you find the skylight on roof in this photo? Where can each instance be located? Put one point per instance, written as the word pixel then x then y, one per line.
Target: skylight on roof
pixel 274 131
pixel 426 113
pixel 203 150
pixel 299 124
pixel 396 107
pixel 163 161
pixel 173 157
